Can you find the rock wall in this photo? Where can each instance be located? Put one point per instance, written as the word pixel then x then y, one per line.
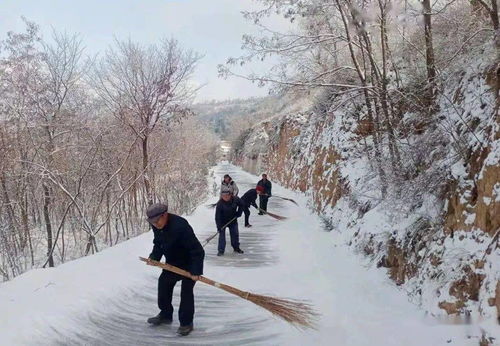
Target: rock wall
pixel 448 260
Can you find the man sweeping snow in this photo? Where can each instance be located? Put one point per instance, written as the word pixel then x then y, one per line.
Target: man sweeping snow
pixel 249 199
pixel 263 198
pixel 227 211
pixel 174 238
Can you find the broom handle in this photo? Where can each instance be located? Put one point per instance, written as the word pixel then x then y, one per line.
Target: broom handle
pixel 261 210
pixel 281 218
pixel 187 274
pixel 290 311
pixel 168 267
pixel 214 235
pixel 286 199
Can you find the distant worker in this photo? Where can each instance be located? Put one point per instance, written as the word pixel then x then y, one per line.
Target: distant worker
pixel 249 199
pixel 229 184
pixel 227 211
pixel 264 197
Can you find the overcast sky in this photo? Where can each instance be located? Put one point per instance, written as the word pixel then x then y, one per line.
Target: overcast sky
pixel 211 27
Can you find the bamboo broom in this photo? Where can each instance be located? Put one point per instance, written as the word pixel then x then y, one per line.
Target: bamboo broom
pixel 278 217
pixel 215 234
pixel 275 216
pixel 299 313
pixel 286 199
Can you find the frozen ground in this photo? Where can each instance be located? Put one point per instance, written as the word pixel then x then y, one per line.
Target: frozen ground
pixel 105 299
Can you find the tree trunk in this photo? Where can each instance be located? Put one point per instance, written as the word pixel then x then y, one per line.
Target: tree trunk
pixel 384 98
pixel 63 243
pixel 496 27
pixel 145 163
pixel 362 77
pixel 429 52
pixel 13 228
pixel 494 16
pixel 24 220
pixel 48 224
pixel 109 236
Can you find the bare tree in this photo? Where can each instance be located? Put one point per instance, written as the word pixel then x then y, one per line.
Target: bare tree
pixel 73 154
pixel 61 62
pixel 145 85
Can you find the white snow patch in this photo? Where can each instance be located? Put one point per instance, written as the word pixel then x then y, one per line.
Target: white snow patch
pixel 470 218
pixel 487 200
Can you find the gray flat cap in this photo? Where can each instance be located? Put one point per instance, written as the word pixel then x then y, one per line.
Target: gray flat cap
pixel 154 211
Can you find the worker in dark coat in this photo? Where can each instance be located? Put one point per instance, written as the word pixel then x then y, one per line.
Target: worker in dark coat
pixel 175 240
pixel 227 211
pixel 249 199
pixel 263 198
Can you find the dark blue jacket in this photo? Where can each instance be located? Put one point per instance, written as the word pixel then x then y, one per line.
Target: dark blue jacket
pixel 250 197
pixel 177 242
pixel 266 185
pixel 225 211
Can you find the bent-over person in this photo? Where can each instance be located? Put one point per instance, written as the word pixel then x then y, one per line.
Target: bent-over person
pixel 175 240
pixel 249 199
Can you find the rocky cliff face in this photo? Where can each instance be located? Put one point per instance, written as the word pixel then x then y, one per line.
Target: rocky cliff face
pixel 443 249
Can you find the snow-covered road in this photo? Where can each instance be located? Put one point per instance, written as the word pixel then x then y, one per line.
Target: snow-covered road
pixel 105 299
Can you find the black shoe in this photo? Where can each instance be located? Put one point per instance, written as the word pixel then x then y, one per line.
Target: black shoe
pixel 260 213
pixel 238 250
pixel 185 330
pixel 220 253
pixel 159 319
pixel 248 226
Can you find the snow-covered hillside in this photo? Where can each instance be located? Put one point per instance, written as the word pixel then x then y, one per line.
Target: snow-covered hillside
pixel 104 299
pixel 426 207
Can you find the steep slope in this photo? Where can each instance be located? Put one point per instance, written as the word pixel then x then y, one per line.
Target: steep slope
pixel 437 229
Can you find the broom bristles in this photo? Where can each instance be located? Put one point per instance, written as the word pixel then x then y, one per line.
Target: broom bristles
pixel 275 216
pixel 297 312
pixel 278 217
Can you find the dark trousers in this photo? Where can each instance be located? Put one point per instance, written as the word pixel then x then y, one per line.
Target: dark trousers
pixel 263 202
pixel 235 237
pixel 247 214
pixel 166 284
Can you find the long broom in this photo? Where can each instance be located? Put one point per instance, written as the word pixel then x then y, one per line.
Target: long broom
pixel 286 199
pixel 278 217
pixel 275 216
pixel 215 234
pixel 299 313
